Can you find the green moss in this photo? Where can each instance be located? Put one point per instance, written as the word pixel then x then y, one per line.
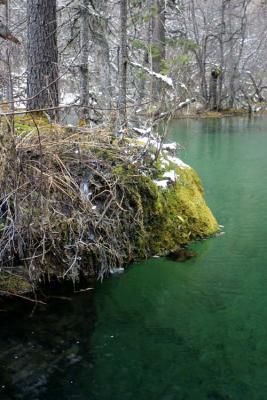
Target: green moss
pixel 132 217
pixel 176 215
pixel 28 122
pixel 171 217
pixel 14 284
pixel 22 128
pixel 31 120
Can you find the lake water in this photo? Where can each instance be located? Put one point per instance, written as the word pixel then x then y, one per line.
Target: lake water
pixel 165 330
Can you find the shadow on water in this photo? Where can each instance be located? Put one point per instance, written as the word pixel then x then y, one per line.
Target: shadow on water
pixel 41 349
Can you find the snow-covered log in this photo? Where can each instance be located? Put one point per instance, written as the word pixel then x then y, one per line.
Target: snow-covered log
pixel 163 78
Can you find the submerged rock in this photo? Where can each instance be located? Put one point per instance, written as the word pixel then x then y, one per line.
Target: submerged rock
pixel 181 255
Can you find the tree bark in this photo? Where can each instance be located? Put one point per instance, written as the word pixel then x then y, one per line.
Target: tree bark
pixel 99 27
pixel 158 46
pixel 123 65
pixel 84 70
pixel 147 53
pixel 42 54
pixel 222 51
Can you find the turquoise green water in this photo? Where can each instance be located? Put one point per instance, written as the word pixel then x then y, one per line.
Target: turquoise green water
pixel 166 330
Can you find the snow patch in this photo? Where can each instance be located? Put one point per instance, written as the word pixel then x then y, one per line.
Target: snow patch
pixel 115 271
pixel 68 98
pixel 178 162
pixel 185 103
pixel 164 163
pixel 171 175
pixel 162 184
pixel 165 79
pixel 86 193
pixel 169 146
pixel 142 131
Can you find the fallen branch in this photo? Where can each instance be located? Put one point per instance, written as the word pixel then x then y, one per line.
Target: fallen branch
pixel 180 106
pixel 7 293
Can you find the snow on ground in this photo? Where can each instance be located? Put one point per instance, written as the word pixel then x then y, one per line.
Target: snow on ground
pixel 163 183
pixel 68 98
pixel 142 131
pixel 21 105
pixel 185 103
pixel 149 141
pixel 168 161
pixel 170 175
pixel 177 161
pixel 170 146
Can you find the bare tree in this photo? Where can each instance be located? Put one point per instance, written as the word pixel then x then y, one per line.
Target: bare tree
pixel 185 39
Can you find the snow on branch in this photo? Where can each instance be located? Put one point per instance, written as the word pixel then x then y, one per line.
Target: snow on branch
pixel 165 79
pixel 185 103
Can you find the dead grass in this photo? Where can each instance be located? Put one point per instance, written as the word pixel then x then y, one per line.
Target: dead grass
pixel 65 208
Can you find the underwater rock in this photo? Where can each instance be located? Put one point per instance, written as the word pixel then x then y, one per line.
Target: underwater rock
pixel 181 255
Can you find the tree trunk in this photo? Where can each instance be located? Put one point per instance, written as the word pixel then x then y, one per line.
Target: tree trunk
pixel 105 72
pixel 10 97
pixel 101 36
pixel 84 70
pixel 222 52
pixel 203 84
pixel 123 64
pixel 99 31
pixel 158 46
pixel 231 58
pixel 42 54
pixel 213 103
pixel 147 54
pixel 236 49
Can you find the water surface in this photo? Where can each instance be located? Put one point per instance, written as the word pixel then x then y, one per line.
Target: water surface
pixel 165 330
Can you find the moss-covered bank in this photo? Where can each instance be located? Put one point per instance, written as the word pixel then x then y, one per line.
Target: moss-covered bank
pixel 178 215
pixel 80 203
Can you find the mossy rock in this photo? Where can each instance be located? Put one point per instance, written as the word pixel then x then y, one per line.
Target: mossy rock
pixel 173 216
pixel 126 217
pixel 14 285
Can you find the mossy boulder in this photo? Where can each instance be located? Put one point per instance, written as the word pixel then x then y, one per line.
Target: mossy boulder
pixel 10 284
pixel 175 215
pixel 86 204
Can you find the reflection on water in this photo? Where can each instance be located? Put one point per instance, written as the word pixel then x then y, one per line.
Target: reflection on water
pixel 165 330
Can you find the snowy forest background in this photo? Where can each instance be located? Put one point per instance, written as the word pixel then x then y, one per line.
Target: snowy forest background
pixel 135 57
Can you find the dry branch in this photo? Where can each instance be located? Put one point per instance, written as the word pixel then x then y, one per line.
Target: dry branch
pixel 66 209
